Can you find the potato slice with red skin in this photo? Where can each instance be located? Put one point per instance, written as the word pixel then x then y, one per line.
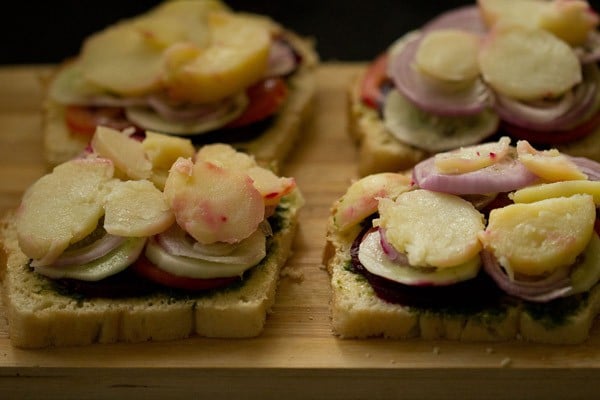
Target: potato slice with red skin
pixel 362 197
pixel 136 209
pixel 270 186
pixel 62 207
pixel 213 204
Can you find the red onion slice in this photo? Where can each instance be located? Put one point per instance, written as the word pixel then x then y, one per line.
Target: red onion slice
pixel 188 112
pixel 84 255
pixel 548 288
pixel 504 176
pixel 390 251
pixel 549 115
pixel 589 53
pixel 467 18
pixel 424 93
pixel 589 167
pixel 282 59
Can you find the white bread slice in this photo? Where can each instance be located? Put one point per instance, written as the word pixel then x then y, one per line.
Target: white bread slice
pixel 39 316
pixel 271 147
pixel 357 312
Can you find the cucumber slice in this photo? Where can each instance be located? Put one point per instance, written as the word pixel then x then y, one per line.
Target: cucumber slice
pixel 148 119
pixel 103 267
pixel 434 133
pixel 373 258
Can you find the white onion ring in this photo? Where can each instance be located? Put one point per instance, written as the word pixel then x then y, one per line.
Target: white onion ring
pixel 425 95
pixel 86 254
pixel 189 112
pixel 177 242
pixel 552 115
pixel 467 18
pixel 548 288
pixel 504 176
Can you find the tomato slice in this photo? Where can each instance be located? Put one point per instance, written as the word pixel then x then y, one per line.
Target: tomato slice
pixel 83 120
pixel 554 137
pixel 376 74
pixel 265 98
pixel 151 272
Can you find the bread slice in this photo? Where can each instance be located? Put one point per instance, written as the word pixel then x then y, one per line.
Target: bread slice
pixel 39 315
pixel 270 147
pixel 357 312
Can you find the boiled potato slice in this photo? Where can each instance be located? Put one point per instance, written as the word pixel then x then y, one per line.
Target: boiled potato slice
pixel 163 150
pixel 136 209
pixel 449 54
pixel 528 64
pixel 362 197
pixel 534 193
pixel 235 58
pixel 515 12
pixel 539 237
pixel 472 158
pixel 62 207
pixel 213 204
pixel 270 186
pixel 127 153
pixel 122 60
pixel 433 229
pixel 571 21
pixel 549 165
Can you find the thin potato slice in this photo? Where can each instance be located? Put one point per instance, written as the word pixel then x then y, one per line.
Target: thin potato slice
pixel 127 153
pixel 535 193
pixel 528 64
pixel 540 237
pixel 62 207
pixel 472 158
pixel 550 165
pixel 433 229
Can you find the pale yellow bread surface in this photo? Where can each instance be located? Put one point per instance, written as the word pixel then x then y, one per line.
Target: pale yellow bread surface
pixel 271 147
pixel 39 316
pixel 356 311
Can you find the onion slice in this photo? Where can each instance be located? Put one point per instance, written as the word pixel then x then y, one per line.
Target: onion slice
pixel 545 289
pixel 177 242
pixel 589 167
pixel 86 254
pixel 589 53
pixel 425 93
pixel 283 60
pixel 504 176
pixel 552 115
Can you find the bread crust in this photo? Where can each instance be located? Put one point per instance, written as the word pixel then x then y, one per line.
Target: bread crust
pixel 271 147
pixel 358 313
pixel 39 316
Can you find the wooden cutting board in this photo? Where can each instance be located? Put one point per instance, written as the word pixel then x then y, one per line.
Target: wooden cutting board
pixel 296 356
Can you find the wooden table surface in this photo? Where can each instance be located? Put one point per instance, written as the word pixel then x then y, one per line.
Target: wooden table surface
pixel 296 356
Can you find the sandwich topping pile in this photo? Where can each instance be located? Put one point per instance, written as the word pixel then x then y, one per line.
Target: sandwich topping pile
pixel 523 68
pixel 95 217
pixel 146 239
pixel 486 231
pixel 188 68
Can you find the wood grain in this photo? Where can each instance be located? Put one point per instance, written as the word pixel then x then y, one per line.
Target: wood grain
pixel 296 356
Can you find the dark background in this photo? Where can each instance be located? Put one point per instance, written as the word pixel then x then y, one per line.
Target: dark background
pixel 350 30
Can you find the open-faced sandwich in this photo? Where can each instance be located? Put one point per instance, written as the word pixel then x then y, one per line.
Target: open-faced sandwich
pixel 146 240
pixel 486 243
pixel 522 68
pixel 188 68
